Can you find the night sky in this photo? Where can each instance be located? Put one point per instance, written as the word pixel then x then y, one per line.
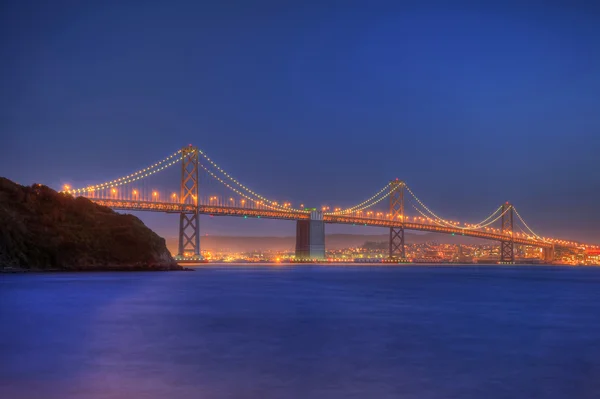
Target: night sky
pixel 320 101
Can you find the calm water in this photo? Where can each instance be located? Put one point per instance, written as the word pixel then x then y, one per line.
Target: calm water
pixel 303 332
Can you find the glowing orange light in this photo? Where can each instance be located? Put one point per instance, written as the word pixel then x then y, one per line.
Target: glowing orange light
pixel 66 187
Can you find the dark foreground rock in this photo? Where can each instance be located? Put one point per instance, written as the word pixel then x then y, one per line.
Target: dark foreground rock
pixel 45 230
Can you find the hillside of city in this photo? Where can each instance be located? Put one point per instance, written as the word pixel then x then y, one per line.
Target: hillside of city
pixel 362 248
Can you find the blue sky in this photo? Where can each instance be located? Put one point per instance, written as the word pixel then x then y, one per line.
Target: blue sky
pixel 472 103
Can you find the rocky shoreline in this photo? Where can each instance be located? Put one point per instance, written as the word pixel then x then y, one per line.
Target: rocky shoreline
pixel 10 269
pixel 42 230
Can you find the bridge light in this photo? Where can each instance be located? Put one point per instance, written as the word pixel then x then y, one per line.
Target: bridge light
pixel 154 194
pixel 114 190
pixel 135 192
pixel 66 187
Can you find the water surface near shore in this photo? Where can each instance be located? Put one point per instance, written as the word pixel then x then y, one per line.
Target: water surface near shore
pixel 297 331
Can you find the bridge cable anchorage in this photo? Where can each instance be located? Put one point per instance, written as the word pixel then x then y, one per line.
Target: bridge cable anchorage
pixel 140 174
pixel 251 192
pixel 476 226
pixel 365 204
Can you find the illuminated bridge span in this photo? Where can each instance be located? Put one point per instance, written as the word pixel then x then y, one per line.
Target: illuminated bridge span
pixel 402 210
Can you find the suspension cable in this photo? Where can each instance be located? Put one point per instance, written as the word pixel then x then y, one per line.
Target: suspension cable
pixel 274 207
pixel 526 226
pixel 235 181
pixel 365 204
pixel 480 224
pixel 140 174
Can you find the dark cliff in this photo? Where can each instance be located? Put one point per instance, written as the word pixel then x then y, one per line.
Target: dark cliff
pixel 43 229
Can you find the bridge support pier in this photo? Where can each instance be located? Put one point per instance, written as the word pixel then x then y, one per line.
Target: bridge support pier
pixel 507 246
pixel 189 223
pixel 548 254
pixel 310 237
pixel 396 244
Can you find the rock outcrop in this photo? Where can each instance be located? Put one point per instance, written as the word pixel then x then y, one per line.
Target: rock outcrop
pixel 43 229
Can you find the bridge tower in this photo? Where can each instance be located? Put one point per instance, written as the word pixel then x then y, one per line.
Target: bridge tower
pixel 189 222
pixel 397 213
pixel 507 246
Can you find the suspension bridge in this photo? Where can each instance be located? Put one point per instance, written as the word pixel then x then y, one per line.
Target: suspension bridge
pixel 395 207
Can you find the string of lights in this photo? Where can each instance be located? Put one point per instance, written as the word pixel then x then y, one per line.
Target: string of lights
pixel 489 217
pixel 364 205
pixel 527 226
pixel 274 207
pixel 475 227
pixel 140 174
pixel 449 224
pixel 121 181
pixel 494 221
pixel 235 181
pixel 428 218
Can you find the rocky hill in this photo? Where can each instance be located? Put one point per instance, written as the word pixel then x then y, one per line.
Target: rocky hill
pixel 43 229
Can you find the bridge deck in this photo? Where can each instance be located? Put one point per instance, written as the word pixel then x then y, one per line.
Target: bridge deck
pixel 172 207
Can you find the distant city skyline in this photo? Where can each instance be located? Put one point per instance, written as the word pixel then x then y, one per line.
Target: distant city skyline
pixel 471 105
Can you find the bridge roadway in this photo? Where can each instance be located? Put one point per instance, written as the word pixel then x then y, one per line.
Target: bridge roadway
pixel 172 207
